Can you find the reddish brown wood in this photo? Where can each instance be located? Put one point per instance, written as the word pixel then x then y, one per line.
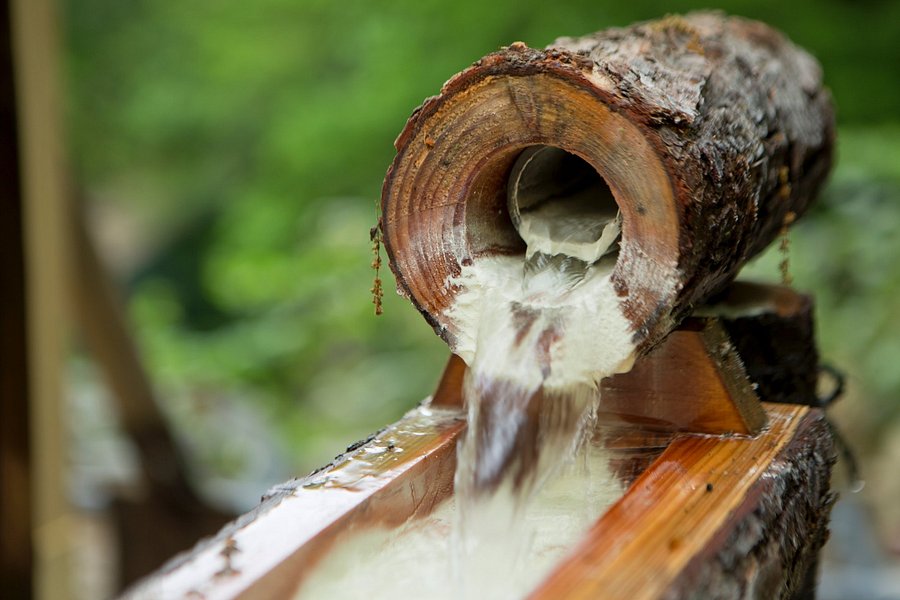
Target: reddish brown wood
pixel 632 450
pixel 403 471
pixel 709 131
pixel 693 381
pixel 449 390
pixel 683 529
pixel 713 518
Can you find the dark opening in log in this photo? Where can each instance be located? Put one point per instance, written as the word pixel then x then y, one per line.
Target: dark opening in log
pixel 560 204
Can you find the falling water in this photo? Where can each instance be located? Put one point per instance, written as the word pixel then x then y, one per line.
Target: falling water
pixel 538 333
pixel 417 560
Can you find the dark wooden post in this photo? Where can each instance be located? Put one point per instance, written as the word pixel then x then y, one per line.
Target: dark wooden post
pixel 15 482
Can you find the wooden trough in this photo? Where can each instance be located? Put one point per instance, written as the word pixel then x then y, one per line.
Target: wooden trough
pixel 739 514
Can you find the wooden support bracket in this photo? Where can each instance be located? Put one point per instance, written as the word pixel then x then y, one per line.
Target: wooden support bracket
pixel 693 381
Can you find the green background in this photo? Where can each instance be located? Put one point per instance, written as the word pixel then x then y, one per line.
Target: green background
pixel 232 155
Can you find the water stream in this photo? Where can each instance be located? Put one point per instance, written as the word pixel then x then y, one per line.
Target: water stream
pixel 538 333
pixel 516 551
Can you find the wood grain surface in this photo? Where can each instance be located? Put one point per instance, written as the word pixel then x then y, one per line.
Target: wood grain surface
pixel 686 509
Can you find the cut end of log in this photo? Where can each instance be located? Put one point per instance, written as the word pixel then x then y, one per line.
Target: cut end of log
pixel 446 202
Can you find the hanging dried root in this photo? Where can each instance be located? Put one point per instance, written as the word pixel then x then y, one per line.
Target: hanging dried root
pixel 785 248
pixel 377 292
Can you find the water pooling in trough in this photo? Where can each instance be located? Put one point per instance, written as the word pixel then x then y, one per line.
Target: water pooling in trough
pixel 538 333
pixel 418 560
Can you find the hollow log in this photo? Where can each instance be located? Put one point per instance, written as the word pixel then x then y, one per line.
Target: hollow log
pixel 710 132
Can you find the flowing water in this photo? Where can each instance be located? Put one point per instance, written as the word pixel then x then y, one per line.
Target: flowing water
pixel 538 333
pixel 418 560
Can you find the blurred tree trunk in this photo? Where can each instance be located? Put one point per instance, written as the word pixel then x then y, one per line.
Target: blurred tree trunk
pixel 15 456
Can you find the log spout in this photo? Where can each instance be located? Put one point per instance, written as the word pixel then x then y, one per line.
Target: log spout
pixel 708 132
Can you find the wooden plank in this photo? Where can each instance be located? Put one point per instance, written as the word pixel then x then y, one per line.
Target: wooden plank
pixel 693 382
pixel 683 511
pixel 694 505
pixel 267 553
pixel 403 471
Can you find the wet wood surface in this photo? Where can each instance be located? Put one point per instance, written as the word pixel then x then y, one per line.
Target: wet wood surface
pixel 713 518
pixel 402 472
pixel 693 498
pixel 683 525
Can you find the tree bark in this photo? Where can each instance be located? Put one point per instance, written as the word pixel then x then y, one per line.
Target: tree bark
pixel 710 131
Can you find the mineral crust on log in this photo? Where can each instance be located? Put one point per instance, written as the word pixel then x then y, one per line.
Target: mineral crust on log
pixel 710 132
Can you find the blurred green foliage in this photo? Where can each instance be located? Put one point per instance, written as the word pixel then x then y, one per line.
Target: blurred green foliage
pixel 251 139
pixel 846 253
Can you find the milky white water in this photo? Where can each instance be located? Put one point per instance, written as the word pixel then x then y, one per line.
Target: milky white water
pixel 557 327
pixel 517 550
pixel 538 337
pixel 538 333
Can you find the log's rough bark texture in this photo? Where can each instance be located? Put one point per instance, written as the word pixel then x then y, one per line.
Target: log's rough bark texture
pixel 709 130
pixel 773 551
